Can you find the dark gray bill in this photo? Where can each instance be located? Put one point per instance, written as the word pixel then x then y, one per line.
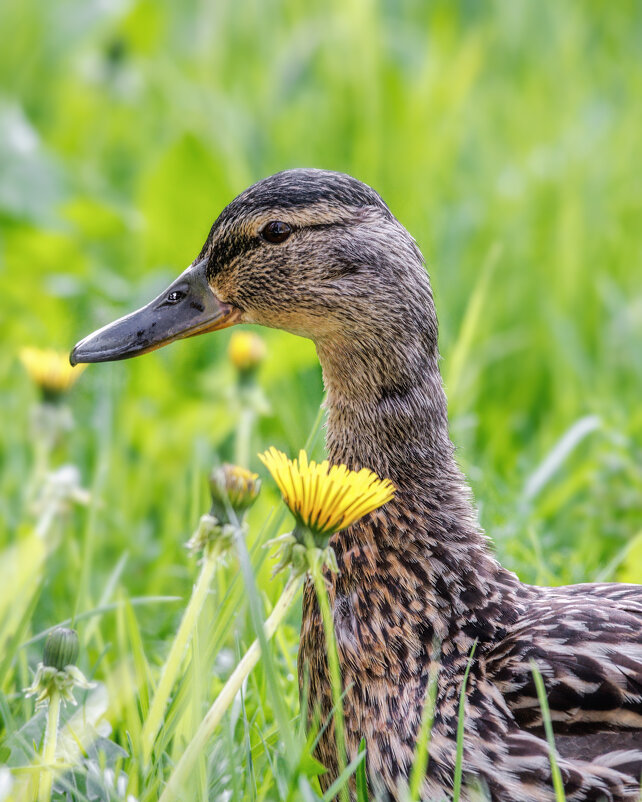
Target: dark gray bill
pixel 186 308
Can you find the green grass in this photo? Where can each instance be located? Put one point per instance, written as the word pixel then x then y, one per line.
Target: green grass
pixel 556 774
pixel 504 135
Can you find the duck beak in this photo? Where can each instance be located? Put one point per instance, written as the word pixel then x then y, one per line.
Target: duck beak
pixel 187 307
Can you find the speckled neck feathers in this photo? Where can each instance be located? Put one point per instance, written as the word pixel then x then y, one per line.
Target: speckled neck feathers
pixel 387 411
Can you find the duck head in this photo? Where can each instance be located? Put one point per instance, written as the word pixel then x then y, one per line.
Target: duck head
pixel 320 255
pixel 312 252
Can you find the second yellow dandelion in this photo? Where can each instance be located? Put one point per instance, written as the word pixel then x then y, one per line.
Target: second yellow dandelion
pixel 50 371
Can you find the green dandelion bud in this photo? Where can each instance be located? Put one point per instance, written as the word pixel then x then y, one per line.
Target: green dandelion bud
pixel 233 490
pixel 235 487
pixel 57 676
pixel 61 648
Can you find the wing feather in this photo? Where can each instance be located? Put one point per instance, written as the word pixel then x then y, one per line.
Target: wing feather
pixel 586 641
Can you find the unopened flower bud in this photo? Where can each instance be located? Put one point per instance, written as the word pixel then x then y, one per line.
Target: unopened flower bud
pixel 235 487
pixel 57 673
pixel 61 648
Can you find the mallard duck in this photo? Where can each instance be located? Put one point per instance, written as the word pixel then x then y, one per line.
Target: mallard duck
pixel 319 254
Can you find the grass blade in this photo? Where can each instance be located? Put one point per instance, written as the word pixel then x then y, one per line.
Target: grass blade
pixel 360 775
pixel 459 757
pixel 340 783
pixel 558 785
pixel 420 764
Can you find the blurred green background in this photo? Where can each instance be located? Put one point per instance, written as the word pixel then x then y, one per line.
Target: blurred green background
pixel 506 137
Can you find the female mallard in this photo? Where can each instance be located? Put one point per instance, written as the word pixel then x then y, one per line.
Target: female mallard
pixel 320 255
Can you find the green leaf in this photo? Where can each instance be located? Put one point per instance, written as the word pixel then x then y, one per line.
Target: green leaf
pixel 310 766
pixel 461 717
pixel 360 776
pixel 342 780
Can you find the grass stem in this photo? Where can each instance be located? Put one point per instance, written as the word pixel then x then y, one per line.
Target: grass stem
pixel 335 672
pixel 244 436
pixel 461 719
pixel 422 754
pixel 177 653
pixel 558 784
pixel 178 779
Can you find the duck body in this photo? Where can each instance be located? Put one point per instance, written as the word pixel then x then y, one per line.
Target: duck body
pixel 417 588
pixel 388 651
pixel 419 596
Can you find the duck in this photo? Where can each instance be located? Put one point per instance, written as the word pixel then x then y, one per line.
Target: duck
pixel 419 593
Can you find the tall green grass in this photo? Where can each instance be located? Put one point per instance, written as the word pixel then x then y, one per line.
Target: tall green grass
pixel 504 135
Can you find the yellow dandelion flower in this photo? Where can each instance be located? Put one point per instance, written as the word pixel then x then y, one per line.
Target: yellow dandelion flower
pixel 325 498
pixel 246 350
pixel 50 370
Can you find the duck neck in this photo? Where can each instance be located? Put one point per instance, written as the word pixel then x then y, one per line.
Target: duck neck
pixel 387 411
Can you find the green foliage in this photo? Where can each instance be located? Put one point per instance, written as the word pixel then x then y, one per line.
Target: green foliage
pixel 504 135
pixel 556 774
pixel 361 778
pixel 461 721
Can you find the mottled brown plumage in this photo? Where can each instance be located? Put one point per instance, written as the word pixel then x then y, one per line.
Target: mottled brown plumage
pixel 417 585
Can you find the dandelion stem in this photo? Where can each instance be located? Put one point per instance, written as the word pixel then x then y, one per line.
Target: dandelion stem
pixel 42 451
pixel 177 781
pixel 335 671
pixel 177 653
pixel 49 749
pixel 244 436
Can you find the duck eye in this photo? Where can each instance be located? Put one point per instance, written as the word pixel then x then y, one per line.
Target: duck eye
pixel 276 231
pixel 174 296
